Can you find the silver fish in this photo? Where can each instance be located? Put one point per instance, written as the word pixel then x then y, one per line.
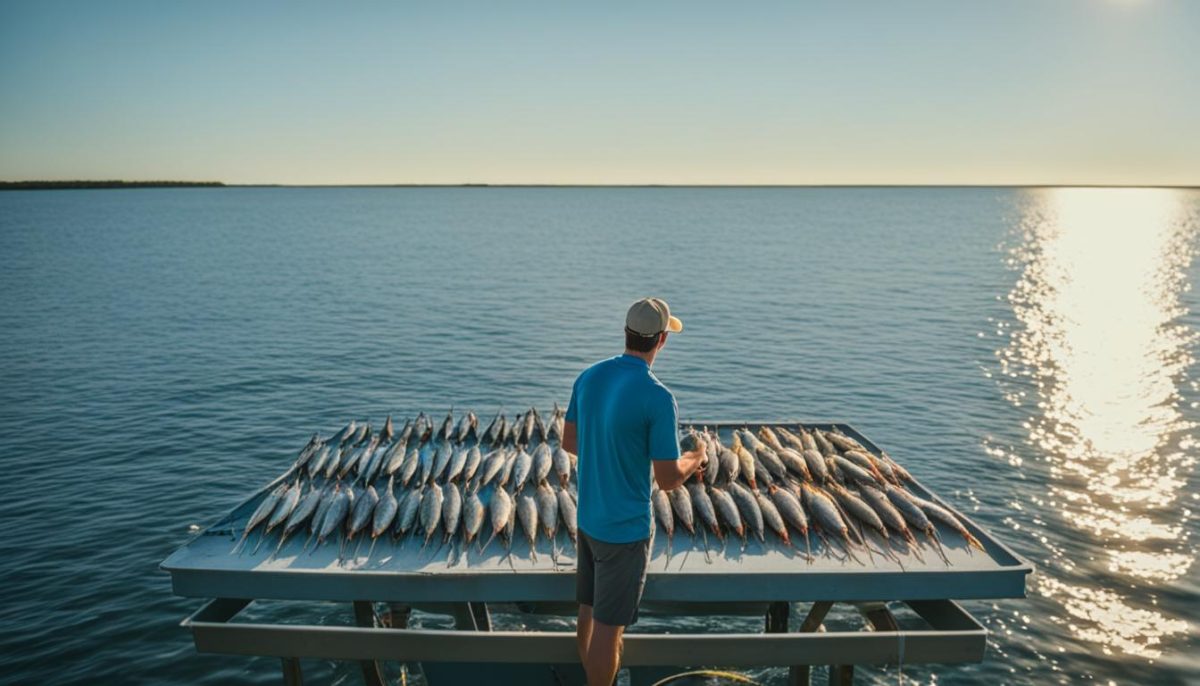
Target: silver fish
pixel 771 517
pixel 681 503
pixel 472 517
pixel 364 508
pixel 335 461
pixel 441 459
pixel 394 459
pixel 262 512
pixel 727 509
pixel 522 466
pixel 451 509
pixel 562 465
pixel 386 433
pixel 409 467
pixel 431 511
pixel 843 442
pixel 385 511
pixel 748 506
pixel 339 506
pixel 547 504
pixel 854 472
pixel 816 465
pixel 458 460
pixel 493 462
pixel 795 463
pixel 499 511
pixel 406 515
pixel 287 503
pixel 527 513
pixel 474 457
pixel 317 463
pixel 704 507
pixel 567 509
pixel 491 433
pixel 543 461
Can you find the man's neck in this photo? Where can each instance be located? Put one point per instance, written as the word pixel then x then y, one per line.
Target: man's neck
pixel 647 357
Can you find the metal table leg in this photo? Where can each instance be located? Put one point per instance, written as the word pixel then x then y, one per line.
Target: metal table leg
pixel 364 616
pixel 801 675
pixel 292 675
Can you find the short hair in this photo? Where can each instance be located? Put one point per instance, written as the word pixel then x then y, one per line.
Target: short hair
pixel 639 343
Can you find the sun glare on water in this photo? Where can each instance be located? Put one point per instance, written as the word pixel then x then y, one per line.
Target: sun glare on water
pixel 1099 348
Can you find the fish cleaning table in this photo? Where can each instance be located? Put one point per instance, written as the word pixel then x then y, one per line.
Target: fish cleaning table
pixel 688 574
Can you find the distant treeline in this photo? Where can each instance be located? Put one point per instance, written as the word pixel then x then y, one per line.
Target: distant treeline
pixel 63 185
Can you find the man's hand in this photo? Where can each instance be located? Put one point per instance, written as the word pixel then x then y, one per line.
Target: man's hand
pixel 672 473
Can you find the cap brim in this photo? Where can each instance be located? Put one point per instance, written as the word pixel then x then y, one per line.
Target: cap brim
pixel 674 325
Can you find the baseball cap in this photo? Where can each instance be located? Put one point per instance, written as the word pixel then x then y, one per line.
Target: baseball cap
pixel 650 317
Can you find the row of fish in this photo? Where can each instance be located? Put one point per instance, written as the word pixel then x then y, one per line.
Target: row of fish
pixel 451 453
pixel 774 482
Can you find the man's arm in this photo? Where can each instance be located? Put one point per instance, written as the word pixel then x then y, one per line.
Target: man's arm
pixel 672 473
pixel 570 441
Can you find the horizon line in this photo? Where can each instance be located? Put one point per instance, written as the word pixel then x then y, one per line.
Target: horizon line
pixel 116 184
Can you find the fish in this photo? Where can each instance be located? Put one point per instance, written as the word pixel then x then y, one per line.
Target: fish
pixel 859 509
pixel 499 512
pixel 360 436
pixel 447 429
pixel 810 443
pixel 335 514
pixel 704 507
pixel 307 452
pixel 441 459
pixel 748 506
pixel 745 461
pixel 562 465
pixel 394 459
pixel 502 432
pixel 539 427
pixel 661 504
pixel 490 434
pixel 406 514
pixel 887 513
pixel 386 433
pixel 490 467
pixel 458 460
pixel 854 472
pixel 772 518
pixel 795 463
pixel 506 469
pixel 771 461
pixel 327 495
pixel 826 514
pixel 522 466
pixel 473 513
pixel 727 510
pixel 384 515
pixel 681 503
pixel 901 472
pixel 375 464
pixel 318 461
pixel 406 433
pixel 948 518
pixel 816 465
pixel 789 439
pixel 866 461
pixel 770 438
pixel 265 507
pixel 410 465
pixel 730 464
pixel 287 503
pixel 527 513
pixel 302 513
pixel 762 475
pixel 364 508
pixel 843 442
pixel 527 426
pixel 474 457
pixel 547 504
pixel 451 510
pixel 345 434
pixel 464 428
pixel 823 443
pixel 543 462
pixel 567 509
pixel 553 430
pixel 431 511
pixel 793 513
pixel 334 462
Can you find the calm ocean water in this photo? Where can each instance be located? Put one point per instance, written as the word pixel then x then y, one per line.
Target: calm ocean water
pixel 1028 354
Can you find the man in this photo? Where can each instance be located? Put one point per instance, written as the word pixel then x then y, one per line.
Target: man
pixel 620 421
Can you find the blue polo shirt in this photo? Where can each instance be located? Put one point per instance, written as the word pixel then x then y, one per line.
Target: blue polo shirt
pixel 624 418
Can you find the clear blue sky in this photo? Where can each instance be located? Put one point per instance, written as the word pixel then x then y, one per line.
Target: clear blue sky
pixel 1004 91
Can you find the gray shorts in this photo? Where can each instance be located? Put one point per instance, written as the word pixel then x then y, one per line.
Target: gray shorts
pixel 610 577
